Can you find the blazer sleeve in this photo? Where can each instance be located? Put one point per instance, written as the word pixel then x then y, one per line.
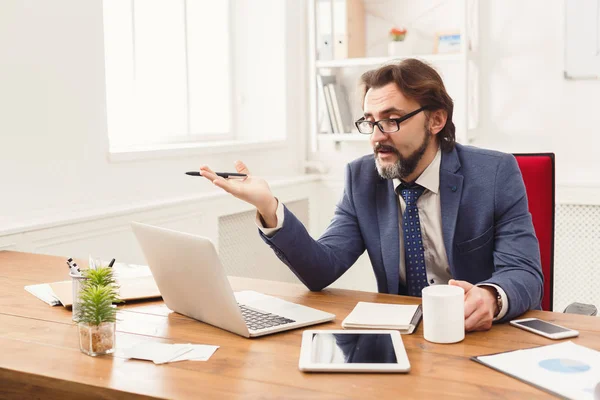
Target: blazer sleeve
pixel 318 263
pixel 516 252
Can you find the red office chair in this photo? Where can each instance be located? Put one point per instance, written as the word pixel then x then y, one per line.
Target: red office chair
pixel 538 174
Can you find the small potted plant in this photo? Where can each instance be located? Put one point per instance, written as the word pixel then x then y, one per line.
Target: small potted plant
pixel 96 315
pixel 398 35
pixel 398 46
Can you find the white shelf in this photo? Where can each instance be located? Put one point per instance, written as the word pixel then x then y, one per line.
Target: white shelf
pixel 371 61
pixel 343 137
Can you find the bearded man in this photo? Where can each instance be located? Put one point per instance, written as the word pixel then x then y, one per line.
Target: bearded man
pixel 426 209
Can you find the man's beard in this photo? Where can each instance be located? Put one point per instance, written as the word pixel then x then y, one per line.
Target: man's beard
pixel 404 166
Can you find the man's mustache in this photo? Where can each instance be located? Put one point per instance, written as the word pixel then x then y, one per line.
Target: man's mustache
pixel 380 147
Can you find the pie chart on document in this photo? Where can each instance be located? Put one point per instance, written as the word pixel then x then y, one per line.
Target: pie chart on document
pixel 564 365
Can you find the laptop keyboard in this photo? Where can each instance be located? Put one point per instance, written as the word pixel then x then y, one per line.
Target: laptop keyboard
pixel 260 320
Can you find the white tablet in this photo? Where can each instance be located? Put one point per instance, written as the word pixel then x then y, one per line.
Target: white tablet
pixel 353 351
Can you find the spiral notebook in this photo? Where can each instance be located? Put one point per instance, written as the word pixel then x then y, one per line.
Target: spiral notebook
pixel 402 317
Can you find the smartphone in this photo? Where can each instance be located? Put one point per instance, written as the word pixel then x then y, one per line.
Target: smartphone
pixel 543 328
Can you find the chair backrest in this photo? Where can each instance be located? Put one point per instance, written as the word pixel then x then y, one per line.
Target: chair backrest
pixel 538 174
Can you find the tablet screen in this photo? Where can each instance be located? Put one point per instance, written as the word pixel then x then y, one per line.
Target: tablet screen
pixel 352 348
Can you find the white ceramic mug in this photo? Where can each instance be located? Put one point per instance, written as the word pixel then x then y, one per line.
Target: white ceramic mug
pixel 443 313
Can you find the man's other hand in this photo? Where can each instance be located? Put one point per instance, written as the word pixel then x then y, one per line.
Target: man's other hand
pixel 480 305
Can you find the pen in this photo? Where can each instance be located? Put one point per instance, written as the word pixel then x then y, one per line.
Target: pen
pixel 75 269
pixel 72 269
pixel 221 174
pixel 111 263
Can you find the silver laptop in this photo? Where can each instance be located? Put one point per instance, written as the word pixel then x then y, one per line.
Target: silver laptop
pixel 192 282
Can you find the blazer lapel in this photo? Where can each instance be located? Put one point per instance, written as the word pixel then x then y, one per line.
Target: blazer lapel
pixel 387 217
pixel 451 183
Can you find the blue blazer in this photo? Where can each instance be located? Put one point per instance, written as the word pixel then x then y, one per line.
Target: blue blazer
pixel 487 229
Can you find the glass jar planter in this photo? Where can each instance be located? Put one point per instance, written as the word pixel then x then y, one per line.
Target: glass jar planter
pixel 95 340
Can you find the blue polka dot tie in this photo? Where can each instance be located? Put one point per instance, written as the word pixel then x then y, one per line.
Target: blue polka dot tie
pixel 414 253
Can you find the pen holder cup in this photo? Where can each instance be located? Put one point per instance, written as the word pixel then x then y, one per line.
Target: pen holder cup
pixel 76 283
pixel 96 340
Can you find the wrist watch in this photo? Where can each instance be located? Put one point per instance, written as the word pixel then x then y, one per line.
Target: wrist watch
pixel 498 303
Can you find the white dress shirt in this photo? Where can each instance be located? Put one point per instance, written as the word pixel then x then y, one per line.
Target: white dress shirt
pixel 430 215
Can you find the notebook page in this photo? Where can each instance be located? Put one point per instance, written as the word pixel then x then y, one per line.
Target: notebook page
pixel 378 314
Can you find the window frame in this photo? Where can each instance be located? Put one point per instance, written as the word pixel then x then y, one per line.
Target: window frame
pixel 189 140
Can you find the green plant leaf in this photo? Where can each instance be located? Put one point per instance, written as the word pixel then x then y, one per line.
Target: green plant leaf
pixel 96 297
pixel 102 276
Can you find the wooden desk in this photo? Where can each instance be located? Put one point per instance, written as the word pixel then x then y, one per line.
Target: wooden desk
pixel 40 354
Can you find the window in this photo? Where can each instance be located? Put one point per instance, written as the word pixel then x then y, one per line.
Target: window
pixel 168 71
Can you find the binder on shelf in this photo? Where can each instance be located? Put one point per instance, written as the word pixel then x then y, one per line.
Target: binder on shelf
pixel 336 109
pixel 328 101
pixel 340 29
pixel 343 106
pixel 336 102
pixel 324 124
pixel 324 34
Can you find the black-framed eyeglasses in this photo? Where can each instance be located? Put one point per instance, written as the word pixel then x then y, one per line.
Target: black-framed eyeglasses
pixel 389 125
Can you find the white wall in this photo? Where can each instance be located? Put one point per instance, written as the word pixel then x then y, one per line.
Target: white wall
pixel 527 105
pixel 53 139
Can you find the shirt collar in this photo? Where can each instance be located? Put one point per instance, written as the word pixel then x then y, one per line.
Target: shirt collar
pixel 430 178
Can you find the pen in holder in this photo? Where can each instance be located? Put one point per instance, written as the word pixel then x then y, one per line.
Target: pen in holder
pixel 77 283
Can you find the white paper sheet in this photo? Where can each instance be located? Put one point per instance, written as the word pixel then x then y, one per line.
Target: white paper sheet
pixel 44 293
pixel 161 353
pixel 122 270
pixel 567 369
pixel 200 352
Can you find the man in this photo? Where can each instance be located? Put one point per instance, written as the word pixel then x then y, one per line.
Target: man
pixel 426 209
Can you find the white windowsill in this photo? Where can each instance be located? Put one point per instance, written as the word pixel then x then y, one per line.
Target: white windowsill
pixel 189 149
pixel 53 220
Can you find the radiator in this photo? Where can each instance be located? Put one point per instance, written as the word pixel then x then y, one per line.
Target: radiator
pixel 242 251
pixel 576 255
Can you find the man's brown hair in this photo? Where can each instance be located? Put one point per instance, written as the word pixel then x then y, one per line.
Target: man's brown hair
pixel 420 82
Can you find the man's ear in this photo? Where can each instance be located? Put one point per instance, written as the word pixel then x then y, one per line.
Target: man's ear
pixel 437 121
